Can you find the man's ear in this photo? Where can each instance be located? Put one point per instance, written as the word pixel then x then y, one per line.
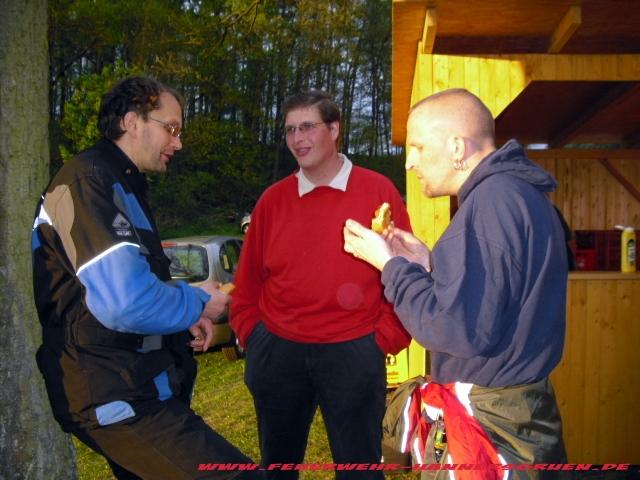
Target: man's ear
pixel 457 148
pixel 335 130
pixel 129 122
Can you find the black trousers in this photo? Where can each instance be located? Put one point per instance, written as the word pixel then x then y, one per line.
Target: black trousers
pixel 524 423
pixel 289 380
pixel 168 443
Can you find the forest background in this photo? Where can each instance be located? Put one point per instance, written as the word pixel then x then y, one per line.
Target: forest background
pixel 234 61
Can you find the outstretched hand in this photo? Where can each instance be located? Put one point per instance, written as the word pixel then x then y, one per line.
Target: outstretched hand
pixel 202 332
pixel 203 329
pixel 217 304
pixel 366 244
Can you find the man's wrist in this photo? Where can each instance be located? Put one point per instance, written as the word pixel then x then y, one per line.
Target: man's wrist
pixel 384 260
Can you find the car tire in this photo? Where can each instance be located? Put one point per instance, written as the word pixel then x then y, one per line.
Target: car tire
pixel 234 352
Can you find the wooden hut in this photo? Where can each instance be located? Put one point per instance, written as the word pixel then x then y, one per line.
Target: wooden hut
pixel 564 74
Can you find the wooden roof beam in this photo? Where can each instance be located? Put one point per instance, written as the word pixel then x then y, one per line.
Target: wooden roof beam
pixel 565 29
pixel 429 31
pixel 619 176
pixel 613 95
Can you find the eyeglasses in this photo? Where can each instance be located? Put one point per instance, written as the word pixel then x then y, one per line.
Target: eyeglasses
pixel 304 127
pixel 173 129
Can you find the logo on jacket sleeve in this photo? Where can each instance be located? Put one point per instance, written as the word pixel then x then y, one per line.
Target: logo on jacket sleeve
pixel 121 226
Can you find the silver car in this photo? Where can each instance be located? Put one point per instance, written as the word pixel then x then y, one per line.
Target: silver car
pixel 199 259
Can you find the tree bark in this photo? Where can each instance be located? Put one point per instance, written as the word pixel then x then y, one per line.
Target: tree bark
pixel 31 443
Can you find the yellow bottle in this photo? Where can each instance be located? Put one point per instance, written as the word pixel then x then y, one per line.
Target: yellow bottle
pixel 627 249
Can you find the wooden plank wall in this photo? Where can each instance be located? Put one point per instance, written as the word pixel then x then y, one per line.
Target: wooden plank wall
pixel 429 216
pixel 597 383
pixel 497 80
pixel 588 196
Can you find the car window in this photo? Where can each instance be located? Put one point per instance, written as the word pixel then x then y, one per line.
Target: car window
pixel 188 262
pixel 229 254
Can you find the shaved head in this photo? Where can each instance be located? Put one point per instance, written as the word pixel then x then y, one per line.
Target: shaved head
pixel 458 111
pixel 448 135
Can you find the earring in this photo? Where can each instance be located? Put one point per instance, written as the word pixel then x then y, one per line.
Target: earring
pixel 460 164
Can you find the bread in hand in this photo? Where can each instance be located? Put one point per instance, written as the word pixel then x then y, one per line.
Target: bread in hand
pixel 382 218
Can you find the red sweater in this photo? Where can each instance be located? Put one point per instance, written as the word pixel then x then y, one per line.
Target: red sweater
pixel 295 276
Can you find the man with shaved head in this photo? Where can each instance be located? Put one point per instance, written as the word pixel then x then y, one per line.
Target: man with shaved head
pixel 489 301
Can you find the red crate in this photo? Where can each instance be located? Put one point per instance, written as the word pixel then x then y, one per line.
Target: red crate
pixel 605 244
pixel 586 259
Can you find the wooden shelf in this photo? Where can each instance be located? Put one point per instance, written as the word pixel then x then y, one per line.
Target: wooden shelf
pixel 603 275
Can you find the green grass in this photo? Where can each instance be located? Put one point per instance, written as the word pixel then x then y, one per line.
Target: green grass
pixel 223 400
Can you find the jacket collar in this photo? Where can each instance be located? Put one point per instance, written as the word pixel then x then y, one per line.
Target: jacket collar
pixel 123 164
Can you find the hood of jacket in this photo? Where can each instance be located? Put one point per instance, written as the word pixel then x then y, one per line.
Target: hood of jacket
pixel 510 159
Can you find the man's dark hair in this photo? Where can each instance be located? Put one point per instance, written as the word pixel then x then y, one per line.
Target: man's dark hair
pixel 132 94
pixel 328 108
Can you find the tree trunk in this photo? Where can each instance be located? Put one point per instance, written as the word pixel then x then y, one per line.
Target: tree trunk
pixel 31 443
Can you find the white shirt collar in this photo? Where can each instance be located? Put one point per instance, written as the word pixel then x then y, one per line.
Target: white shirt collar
pixel 339 182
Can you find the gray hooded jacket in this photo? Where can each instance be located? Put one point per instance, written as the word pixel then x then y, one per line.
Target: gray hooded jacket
pixel 492 311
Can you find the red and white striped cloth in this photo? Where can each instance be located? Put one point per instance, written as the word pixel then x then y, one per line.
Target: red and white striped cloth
pixel 467 441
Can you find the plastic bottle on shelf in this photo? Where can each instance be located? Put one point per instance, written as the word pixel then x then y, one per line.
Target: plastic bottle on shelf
pixel 627 249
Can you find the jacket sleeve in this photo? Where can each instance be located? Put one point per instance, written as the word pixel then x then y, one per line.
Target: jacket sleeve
pixel 245 312
pixel 124 295
pixel 390 334
pixel 95 223
pixel 458 308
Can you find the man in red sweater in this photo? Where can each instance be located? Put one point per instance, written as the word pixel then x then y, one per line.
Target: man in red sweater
pixel 312 317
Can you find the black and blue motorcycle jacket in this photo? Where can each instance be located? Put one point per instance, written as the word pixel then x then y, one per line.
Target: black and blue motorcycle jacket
pixel 114 326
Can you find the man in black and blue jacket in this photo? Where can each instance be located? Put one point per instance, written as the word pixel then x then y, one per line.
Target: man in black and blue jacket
pixel 117 334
